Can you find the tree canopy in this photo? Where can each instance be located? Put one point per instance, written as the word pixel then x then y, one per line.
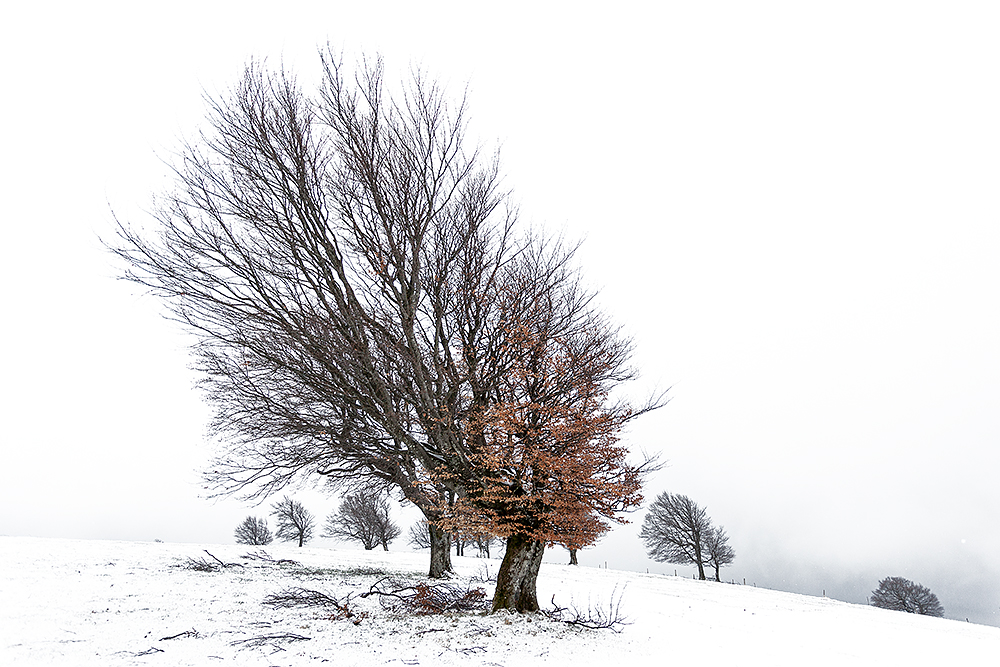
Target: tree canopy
pixel 367 310
pixel 901 594
pixel 677 530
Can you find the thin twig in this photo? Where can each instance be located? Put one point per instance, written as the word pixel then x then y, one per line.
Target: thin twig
pixel 257 642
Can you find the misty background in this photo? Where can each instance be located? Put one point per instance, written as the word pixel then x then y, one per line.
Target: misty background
pixel 791 208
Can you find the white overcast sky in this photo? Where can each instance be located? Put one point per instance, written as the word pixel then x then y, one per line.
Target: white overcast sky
pixel 793 207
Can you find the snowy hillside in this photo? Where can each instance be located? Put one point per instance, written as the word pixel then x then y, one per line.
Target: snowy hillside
pixel 76 602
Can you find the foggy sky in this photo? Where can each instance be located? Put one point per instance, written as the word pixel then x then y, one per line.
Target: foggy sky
pixel 793 211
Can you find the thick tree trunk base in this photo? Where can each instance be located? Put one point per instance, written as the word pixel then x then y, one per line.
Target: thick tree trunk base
pixel 518 575
pixel 440 553
pixel 572 557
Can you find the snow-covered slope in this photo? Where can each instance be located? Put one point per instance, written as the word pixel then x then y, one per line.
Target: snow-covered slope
pixel 77 602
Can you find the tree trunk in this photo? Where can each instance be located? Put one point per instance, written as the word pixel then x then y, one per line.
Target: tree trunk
pixel 440 553
pixel 385 545
pixel 572 557
pixel 699 561
pixel 518 575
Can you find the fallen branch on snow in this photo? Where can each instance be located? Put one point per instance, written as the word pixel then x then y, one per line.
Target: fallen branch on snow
pixel 592 618
pixel 425 599
pixel 204 565
pixel 266 557
pixel 257 642
pixel 305 597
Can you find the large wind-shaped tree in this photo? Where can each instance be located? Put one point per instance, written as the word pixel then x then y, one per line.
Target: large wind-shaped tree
pixel 364 311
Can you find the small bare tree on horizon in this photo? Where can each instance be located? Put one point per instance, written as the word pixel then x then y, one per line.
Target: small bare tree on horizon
pixel 676 530
pixel 294 521
pixel 901 594
pixel 717 550
pixel 364 517
pixel 253 531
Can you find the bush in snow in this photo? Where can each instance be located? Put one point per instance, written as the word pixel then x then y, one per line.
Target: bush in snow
pixel 902 594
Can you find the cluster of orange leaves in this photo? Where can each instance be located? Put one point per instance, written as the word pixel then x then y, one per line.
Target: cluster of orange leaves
pixel 545 461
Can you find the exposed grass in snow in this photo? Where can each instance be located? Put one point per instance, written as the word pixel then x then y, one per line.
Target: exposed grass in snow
pixel 78 602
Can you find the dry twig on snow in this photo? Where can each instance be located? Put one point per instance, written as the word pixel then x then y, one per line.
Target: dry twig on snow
pixel 305 597
pixel 205 565
pixel 592 618
pixel 266 557
pixel 257 642
pixel 425 599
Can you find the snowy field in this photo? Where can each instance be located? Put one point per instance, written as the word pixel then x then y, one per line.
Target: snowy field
pixel 79 602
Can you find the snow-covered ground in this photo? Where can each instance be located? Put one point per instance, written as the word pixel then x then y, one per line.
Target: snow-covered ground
pixel 79 602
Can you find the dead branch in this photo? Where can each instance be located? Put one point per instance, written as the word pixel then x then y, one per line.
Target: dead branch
pixel 591 618
pixel 187 633
pixel 257 642
pixel 267 558
pixel 424 632
pixel 305 597
pixel 425 599
pixel 205 565
pixel 484 576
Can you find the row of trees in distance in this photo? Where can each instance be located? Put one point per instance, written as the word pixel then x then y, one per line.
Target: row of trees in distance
pixel 676 530
pixel 361 517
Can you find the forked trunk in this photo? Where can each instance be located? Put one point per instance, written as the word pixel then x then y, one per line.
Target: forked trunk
pixel 440 553
pixel 518 575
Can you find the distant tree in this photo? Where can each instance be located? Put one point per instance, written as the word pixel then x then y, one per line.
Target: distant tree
pixel 253 531
pixel 676 530
pixel 420 537
pixel 902 594
pixel 294 521
pixel 484 543
pixel 364 517
pixel 717 550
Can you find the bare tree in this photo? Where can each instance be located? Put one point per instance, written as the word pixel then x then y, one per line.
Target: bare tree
pixel 294 521
pixel 317 248
pixel 364 517
pixel 902 594
pixel 675 530
pixel 359 296
pixel 484 543
pixel 717 550
pixel 420 536
pixel 253 531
